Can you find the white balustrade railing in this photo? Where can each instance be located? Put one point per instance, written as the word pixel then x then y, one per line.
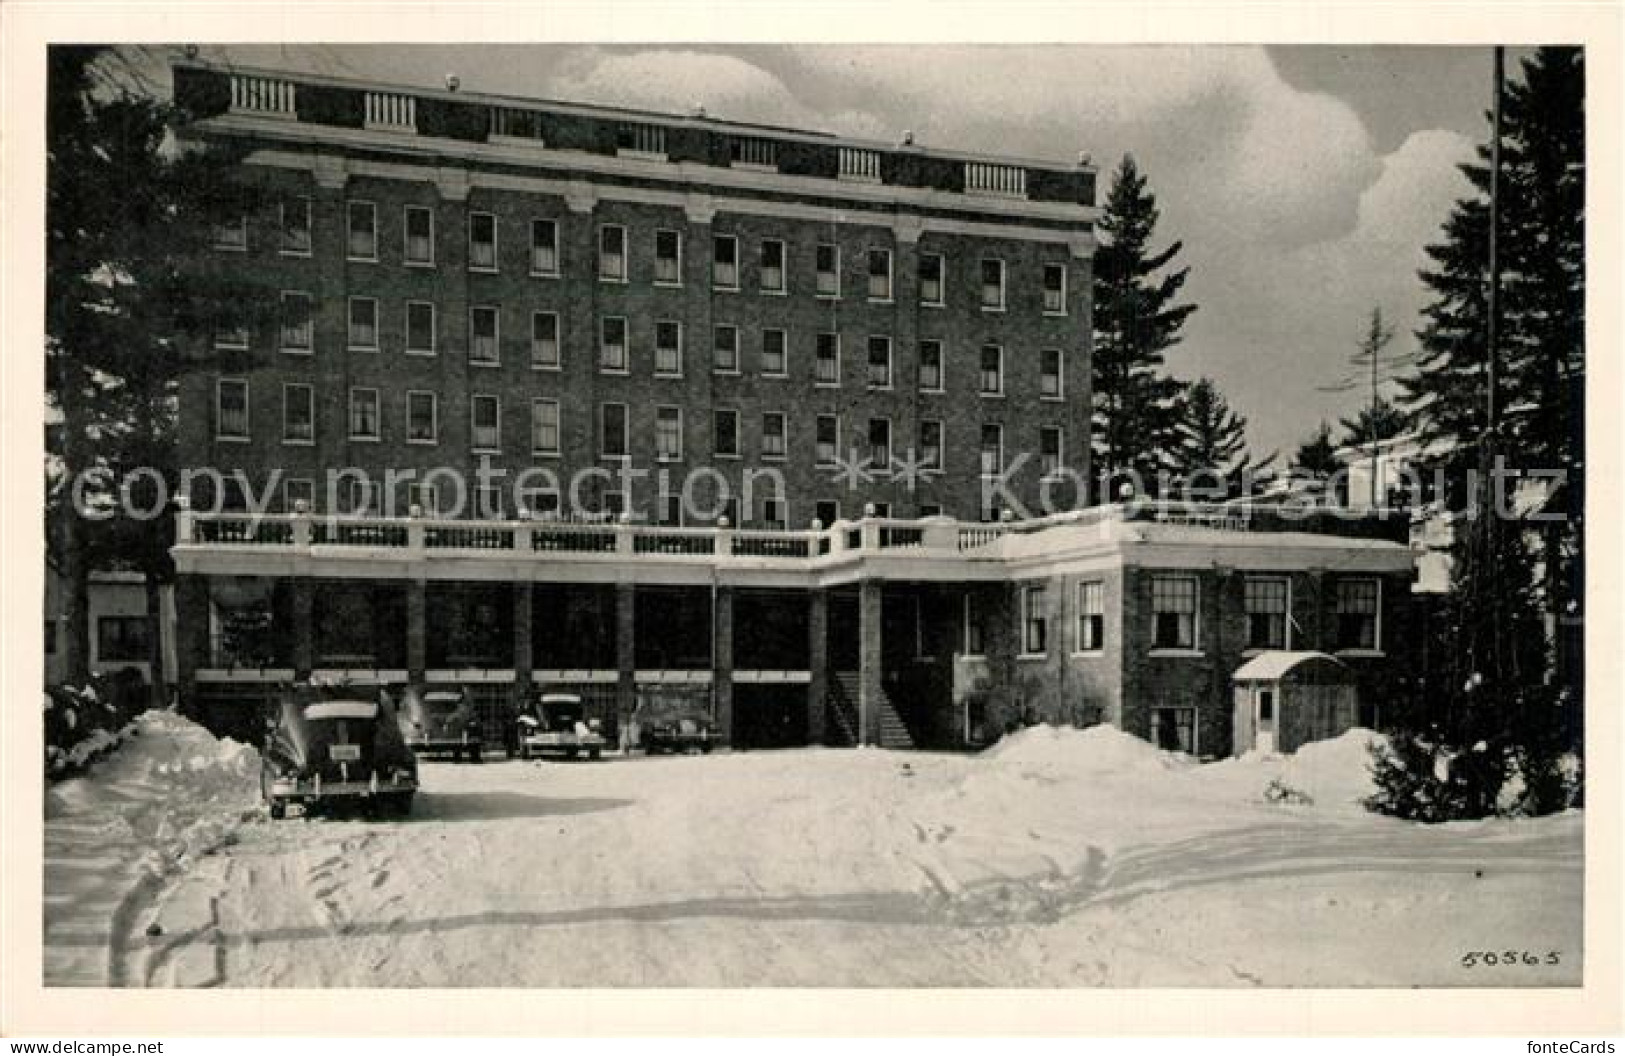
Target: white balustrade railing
pixel 1006 181
pixel 390 110
pixel 262 95
pixel 859 164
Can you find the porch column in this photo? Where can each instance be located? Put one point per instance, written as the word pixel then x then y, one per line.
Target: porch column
pixel 871 661
pixel 722 674
pixel 523 660
pixel 417 634
pixel 817 663
pixel 626 654
pixel 1001 641
pixel 304 627
pixel 191 634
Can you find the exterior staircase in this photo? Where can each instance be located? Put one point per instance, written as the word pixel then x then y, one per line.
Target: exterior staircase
pixel 844 715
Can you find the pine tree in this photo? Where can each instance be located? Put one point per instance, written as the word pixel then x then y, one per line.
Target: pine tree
pixel 1210 453
pixel 128 308
pixel 1317 456
pixel 1136 321
pixel 1381 420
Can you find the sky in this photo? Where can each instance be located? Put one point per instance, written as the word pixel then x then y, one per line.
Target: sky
pixel 1303 181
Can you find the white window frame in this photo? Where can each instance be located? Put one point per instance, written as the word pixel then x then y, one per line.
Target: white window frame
pixel 869 363
pixel 235 245
pixel 620 277
pixel 310 407
pixel 738 449
pixel 784 436
pixel 1060 375
pixel 558 341
pixel 474 401
pixel 981 371
pixel 677 325
pixel 1376 648
pixel 676 456
pixel 1044 287
pixel 377 416
pixel 1195 646
pixel 783 288
pixel 604 345
pixel 350 341
pixel 309 347
pixel 536 448
pixel 891 440
pixel 434 329
pixel 678 235
pixel 282 229
pixel 1286 614
pixel 406 236
pixel 869 276
pixel 818 339
pixel 716 332
pixel 603 433
pixel 818 459
pixel 784 352
pixel 942 281
pixel 1085 612
pixel 942 442
pixel 219 412
pixel 474 311
pixel 496 244
pixel 538 223
pixel 434 417
pixel 716 263
pixel 1060 451
pixel 827 295
pixel 1004 285
pixel 349 230
pixel 942 365
pixel 1030 591
pixel 981 450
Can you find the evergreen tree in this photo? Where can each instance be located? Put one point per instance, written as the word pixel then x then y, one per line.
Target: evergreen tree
pixel 1378 421
pixel 1210 450
pixel 130 304
pixel 1136 320
pixel 1317 456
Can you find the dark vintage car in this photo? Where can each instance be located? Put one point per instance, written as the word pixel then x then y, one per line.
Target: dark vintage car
pixel 679 733
pixel 440 722
pixel 336 747
pixel 557 723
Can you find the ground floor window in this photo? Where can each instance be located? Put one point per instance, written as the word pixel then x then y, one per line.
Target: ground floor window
pixel 121 639
pixel 1174 729
pixel 1266 603
pixel 1173 601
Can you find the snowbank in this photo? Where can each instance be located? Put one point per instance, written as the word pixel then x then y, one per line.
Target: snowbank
pixel 1334 773
pixel 1063 751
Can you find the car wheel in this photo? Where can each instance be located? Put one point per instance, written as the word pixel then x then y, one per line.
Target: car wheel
pixel 474 754
pixel 595 754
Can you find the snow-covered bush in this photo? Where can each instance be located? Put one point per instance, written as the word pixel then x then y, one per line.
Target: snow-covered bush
pixel 85 723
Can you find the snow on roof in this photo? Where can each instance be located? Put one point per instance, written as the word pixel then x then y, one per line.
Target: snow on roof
pixel 1276 663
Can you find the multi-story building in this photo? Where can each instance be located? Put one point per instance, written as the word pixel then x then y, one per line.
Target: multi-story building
pixel 467 280
pixel 559 292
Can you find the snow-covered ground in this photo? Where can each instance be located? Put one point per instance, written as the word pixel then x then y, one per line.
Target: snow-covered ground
pixel 1059 858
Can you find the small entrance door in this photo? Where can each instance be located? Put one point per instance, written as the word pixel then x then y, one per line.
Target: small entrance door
pixel 1264 720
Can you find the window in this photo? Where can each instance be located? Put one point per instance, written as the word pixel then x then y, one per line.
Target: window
pixel 774 361
pixel 419 235
pixel 932 269
pixel 232 234
pixel 296 322
pixel 296 490
pixel 363 496
pixel 364 324
pixel 773 436
pixel 828 428
pixel 880 362
pixel 544 427
pixel 930 453
pixel 668 434
pixel 544 341
pixel 1050 439
pixel 364 414
pixel 725 433
pixel 298 414
pixel 1174 729
pixel 544 247
pixel 612 253
pixel 484 343
pixel 1054 289
pixel 426 497
pixel 1091 616
pixel 1359 605
pixel 775 514
pixel 992 449
pixel 482 242
pixel 827 511
pixel 1050 383
pixel 486 417
pixel 612 344
pixel 122 639
pixel 725 346
pixel 931 366
pixel 772 276
pixel 363 231
pixel 725 262
pixel 1173 608
pixel 420 329
pixel 231 409
pixel 670 511
pixel 880 442
pixel 296 227
pixel 668 348
pixel 1265 601
pixel 1034 621
pixel 880 274
pixel 973 645
pixel 612 441
pixel 992 284
pixel 230 333
pixel 992 374
pixel 422 418
pixel 668 258
pixel 827 362
pixel 827 262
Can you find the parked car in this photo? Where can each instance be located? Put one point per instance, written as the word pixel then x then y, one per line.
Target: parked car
pixel 328 747
pixel 679 733
pixel 557 723
pixel 441 722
